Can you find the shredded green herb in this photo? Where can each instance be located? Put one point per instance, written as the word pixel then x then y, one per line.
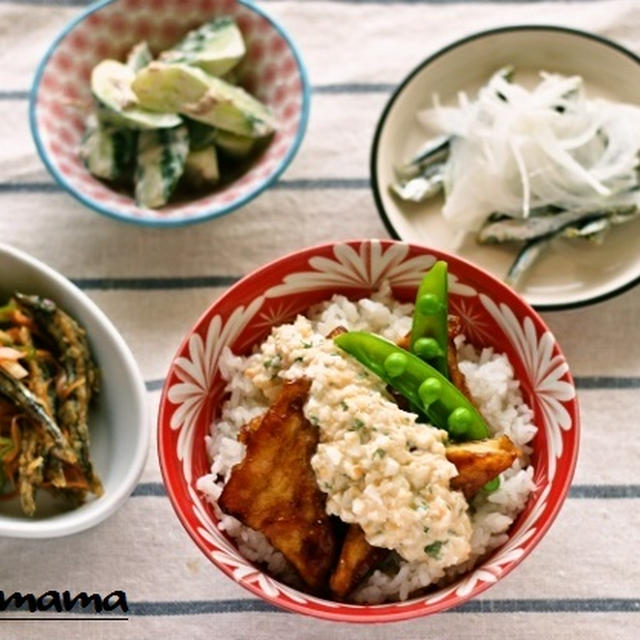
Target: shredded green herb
pixel 6 311
pixel 433 549
pixel 6 446
pixel 379 452
pixel 344 405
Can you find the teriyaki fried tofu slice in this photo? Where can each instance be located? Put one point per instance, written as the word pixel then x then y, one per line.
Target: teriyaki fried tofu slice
pixel 479 462
pixel 274 489
pixel 357 559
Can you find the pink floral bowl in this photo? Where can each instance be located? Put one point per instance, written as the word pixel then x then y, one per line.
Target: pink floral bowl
pixel 60 97
pixel 492 315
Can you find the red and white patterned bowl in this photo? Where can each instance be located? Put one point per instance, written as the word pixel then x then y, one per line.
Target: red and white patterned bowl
pixel 492 315
pixel 61 97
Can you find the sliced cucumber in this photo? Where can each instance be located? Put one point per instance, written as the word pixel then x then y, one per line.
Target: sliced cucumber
pixel 139 57
pixel 200 135
pixel 233 145
pixel 161 159
pixel 107 153
pixel 192 92
pixel 201 167
pixel 232 77
pixel 117 103
pixel 217 46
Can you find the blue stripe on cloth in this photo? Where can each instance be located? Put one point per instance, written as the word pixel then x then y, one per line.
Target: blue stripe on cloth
pixel 154 283
pixel 14 95
pixel 582 382
pixel 332 89
pixel 322 183
pixel 29 187
pixel 251 605
pixel 295 184
pixel 579 491
pixel 485 606
pixel 611 491
pixel 555 605
pixel 354 87
pixel 607 382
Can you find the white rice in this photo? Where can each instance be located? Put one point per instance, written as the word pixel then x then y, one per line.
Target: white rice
pixel 491 381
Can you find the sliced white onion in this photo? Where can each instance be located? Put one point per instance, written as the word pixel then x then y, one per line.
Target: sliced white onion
pixel 550 145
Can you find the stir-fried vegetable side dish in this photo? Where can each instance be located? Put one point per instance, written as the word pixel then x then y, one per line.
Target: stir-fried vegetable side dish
pixel 47 381
pixel 526 166
pixel 177 120
pixel 369 453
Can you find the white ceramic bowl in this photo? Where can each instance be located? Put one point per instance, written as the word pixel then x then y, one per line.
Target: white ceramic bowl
pixel 118 420
pixel 572 273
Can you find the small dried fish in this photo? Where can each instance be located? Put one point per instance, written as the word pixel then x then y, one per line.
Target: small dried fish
pixel 523 229
pixel 422 187
pixel 79 369
pixel 18 394
pixel 594 230
pixel 434 151
pixel 525 259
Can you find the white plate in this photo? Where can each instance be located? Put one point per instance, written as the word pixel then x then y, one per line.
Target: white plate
pixel 118 421
pixel 571 273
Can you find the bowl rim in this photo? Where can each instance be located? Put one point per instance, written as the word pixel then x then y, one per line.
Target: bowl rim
pixel 113 500
pixel 402 614
pixel 207 214
pixel 488 33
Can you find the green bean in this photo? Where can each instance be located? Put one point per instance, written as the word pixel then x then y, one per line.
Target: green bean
pixel 423 385
pixel 429 330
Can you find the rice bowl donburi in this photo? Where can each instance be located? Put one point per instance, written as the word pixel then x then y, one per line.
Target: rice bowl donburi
pixel 336 483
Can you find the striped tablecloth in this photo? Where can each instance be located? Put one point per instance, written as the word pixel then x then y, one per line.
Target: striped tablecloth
pixel 583 581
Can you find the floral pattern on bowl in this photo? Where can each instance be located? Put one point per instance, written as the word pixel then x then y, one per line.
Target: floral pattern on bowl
pixel 492 315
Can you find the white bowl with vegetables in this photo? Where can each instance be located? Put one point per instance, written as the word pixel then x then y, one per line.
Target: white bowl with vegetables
pixel 172 115
pixel 74 435
pixel 517 149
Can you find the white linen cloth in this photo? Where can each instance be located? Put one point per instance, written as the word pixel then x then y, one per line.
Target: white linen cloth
pixel 582 581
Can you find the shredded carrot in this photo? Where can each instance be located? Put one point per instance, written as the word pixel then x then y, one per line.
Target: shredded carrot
pixel 69 389
pixel 21 319
pixel 75 478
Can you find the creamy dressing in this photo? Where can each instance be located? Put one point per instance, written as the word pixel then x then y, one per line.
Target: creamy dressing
pixel 379 468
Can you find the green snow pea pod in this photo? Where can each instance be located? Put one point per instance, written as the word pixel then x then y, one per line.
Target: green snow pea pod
pixel 429 329
pixel 423 385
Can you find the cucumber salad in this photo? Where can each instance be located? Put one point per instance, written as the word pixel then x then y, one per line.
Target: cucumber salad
pixel 176 119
